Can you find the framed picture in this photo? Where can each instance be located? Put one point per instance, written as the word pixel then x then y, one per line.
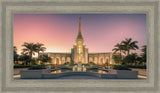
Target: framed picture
pixel 79 46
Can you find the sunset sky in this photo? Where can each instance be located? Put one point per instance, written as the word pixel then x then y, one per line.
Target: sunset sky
pixel 59 31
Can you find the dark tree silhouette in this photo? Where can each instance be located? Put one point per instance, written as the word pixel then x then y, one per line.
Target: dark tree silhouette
pixel 29 48
pixel 15 54
pixel 39 48
pixel 129 45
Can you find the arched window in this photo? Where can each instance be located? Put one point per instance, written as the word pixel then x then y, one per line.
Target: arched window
pixel 107 60
pixel 101 60
pixel 68 59
pixel 63 60
pixel 90 59
pixel 95 60
pixel 57 61
pixel 52 60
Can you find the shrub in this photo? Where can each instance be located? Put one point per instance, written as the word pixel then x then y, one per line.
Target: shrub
pixel 66 63
pixel 121 67
pixel 141 67
pixel 21 66
pixel 91 63
pixel 36 67
pixel 94 68
pixel 52 67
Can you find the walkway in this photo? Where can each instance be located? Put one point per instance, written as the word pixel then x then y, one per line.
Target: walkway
pixel 141 73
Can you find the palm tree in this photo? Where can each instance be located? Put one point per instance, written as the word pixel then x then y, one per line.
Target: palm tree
pixel 45 58
pixel 119 48
pixel 15 54
pixel 25 58
pixel 117 59
pixel 40 48
pixel 144 54
pixel 131 59
pixel 29 49
pixel 15 49
pixel 144 49
pixel 129 45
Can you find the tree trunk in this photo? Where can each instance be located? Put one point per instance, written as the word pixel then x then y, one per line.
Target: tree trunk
pixel 38 55
pixel 38 58
pixel 120 57
pixel 26 62
pixel 128 52
pixel 31 57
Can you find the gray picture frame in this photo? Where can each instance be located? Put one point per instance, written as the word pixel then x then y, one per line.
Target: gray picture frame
pixel 9 7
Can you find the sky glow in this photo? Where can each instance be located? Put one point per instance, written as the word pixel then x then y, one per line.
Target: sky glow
pixel 59 31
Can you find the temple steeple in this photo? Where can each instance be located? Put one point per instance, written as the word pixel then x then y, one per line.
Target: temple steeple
pixel 79 36
pixel 79 50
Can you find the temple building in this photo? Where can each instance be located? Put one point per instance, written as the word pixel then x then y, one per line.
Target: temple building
pixel 79 53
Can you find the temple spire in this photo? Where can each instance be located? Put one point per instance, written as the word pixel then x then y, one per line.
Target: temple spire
pixel 79 24
pixel 79 36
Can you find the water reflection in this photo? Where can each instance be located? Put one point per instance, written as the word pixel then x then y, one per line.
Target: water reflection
pixel 99 71
pixel 57 71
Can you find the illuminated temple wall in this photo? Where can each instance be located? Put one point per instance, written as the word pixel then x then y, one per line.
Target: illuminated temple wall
pixel 75 55
pixel 59 58
pixel 97 58
pixel 100 58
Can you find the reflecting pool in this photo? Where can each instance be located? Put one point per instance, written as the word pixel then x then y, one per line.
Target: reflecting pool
pixel 66 70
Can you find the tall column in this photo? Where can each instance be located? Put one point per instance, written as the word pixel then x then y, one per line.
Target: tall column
pixel 98 60
pixel 61 60
pixel 110 60
pixel 52 60
pixel 65 59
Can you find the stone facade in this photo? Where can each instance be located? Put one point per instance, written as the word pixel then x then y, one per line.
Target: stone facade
pixel 79 53
pixel 97 58
pixel 83 55
pixel 100 58
pixel 60 58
